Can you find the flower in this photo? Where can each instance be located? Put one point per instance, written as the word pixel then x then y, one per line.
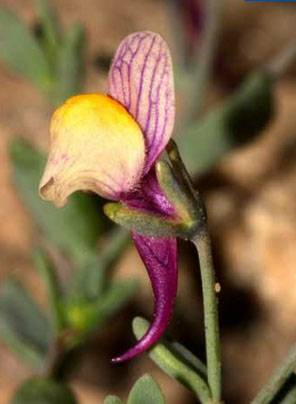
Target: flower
pixel 109 144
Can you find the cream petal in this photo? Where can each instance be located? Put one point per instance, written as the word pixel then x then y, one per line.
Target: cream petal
pixel 96 145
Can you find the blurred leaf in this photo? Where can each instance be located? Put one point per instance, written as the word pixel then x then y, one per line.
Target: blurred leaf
pixel 69 67
pixel 112 400
pixel 50 30
pixel 90 281
pixel 38 390
pixel 20 51
pixel 145 391
pixel 74 228
pixel 235 123
pixel 85 317
pixel 176 366
pixel 51 281
pixel 22 324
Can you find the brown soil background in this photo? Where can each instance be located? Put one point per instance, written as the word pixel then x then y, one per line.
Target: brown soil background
pixel 250 198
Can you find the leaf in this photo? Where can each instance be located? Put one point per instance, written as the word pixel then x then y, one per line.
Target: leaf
pixel 89 282
pixel 69 65
pixel 112 400
pixel 22 324
pixel 75 228
pixel 235 123
pixel 188 357
pixel 86 317
pixel 20 51
pixel 50 30
pixel 175 365
pixel 38 390
pixel 53 288
pixel 145 391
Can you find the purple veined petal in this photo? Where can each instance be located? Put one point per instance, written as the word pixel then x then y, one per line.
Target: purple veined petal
pixel 160 258
pixel 141 78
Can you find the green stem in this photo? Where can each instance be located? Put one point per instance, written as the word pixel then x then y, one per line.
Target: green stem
pixel 203 246
pixel 278 379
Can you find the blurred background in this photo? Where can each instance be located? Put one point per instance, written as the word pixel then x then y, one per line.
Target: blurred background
pixel 249 191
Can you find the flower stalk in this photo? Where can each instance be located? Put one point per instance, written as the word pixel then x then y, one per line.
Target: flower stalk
pixel 201 239
pixel 203 245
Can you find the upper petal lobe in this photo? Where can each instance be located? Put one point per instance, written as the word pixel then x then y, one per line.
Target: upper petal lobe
pixel 141 78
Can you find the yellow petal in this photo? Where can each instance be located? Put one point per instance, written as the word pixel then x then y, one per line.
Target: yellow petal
pixel 96 145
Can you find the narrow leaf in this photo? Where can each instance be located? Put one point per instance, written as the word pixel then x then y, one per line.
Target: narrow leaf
pixel 75 228
pixel 50 30
pixel 22 324
pixel 90 281
pixel 145 391
pixel 69 65
pixel 20 51
pixel 86 317
pixel 235 123
pixel 51 281
pixel 38 390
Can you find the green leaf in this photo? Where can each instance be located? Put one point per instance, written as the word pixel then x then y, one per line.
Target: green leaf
pixel 145 391
pixel 89 282
pixel 188 357
pixel 86 317
pixel 20 51
pixel 74 228
pixel 69 65
pixel 53 288
pixel 50 30
pixel 38 390
pixel 175 365
pixel 235 123
pixel 113 400
pixel 22 324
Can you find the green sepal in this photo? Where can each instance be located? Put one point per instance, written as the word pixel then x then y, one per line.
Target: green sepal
pixel 145 391
pixel 182 367
pixel 148 224
pixel 39 390
pixel 180 193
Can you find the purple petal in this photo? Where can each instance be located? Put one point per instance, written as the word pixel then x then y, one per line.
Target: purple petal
pixel 141 78
pixel 150 198
pixel 160 258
